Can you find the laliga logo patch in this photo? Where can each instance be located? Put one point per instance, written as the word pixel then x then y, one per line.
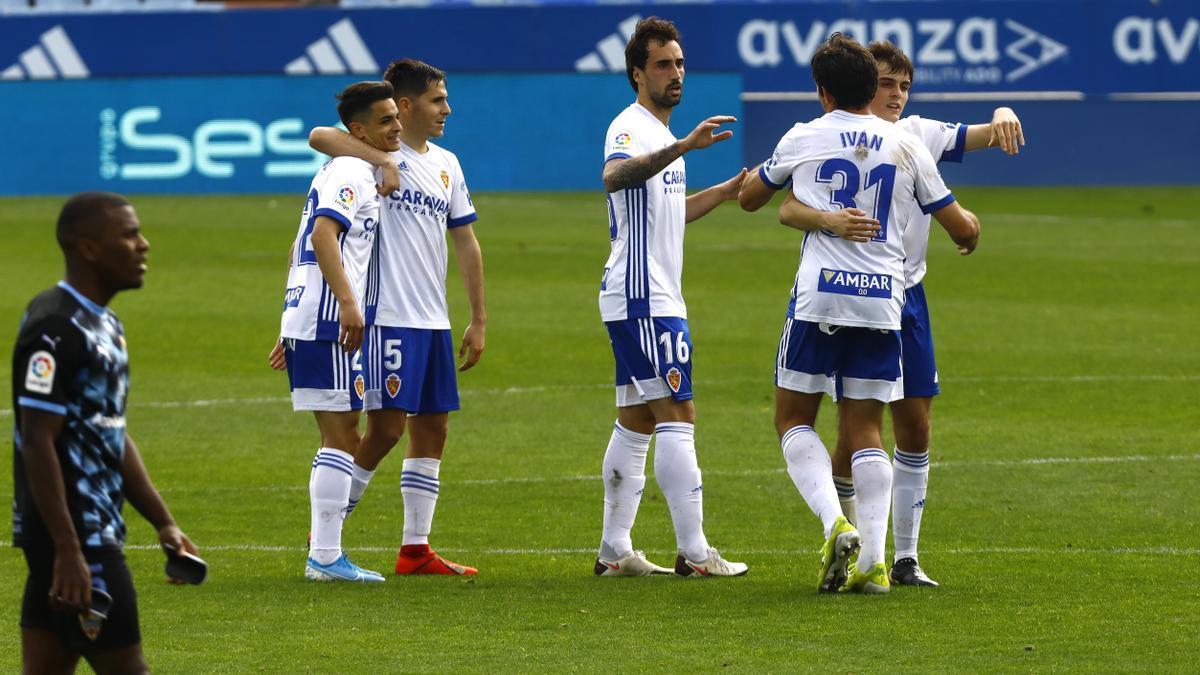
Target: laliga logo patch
pixel 360 385
pixel 345 196
pixel 674 379
pixel 393 385
pixel 623 139
pixel 446 180
pixel 39 379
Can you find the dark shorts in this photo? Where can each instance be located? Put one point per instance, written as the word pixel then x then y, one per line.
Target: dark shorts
pixel 110 574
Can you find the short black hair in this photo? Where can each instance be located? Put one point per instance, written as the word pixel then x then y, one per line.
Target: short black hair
pixel 846 71
pixel 412 78
pixel 637 52
pixel 891 56
pixel 358 99
pixel 82 214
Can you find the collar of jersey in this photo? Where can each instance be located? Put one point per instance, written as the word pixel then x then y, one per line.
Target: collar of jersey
pixel 647 113
pixel 849 115
pixel 91 306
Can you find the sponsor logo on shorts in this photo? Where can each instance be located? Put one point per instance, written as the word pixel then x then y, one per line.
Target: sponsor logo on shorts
pixel 862 284
pixel 446 180
pixel 393 385
pixel 39 379
pixel 674 379
pixel 345 197
pixel 90 624
pixel 360 386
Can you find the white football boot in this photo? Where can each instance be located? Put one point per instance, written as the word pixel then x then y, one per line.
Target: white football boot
pixel 633 564
pixel 713 566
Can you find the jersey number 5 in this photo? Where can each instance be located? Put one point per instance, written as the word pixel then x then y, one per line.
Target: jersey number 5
pixel 883 176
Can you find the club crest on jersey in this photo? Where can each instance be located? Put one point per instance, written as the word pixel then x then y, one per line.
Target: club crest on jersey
pixel 360 386
pixel 861 152
pixel 393 385
pixel 39 379
pixel 862 284
pixel 446 180
pixel 674 379
pixel 623 140
pixel 345 196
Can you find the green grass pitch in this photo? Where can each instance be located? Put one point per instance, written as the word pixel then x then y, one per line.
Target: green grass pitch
pixel 1061 518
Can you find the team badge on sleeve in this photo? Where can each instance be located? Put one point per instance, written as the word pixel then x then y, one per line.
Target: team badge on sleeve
pixel 393 385
pixel 345 196
pixel 674 379
pixel 446 180
pixel 39 379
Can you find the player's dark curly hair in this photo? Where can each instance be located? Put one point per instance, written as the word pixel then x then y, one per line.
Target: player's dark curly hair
pixel 846 71
pixel 83 214
pixel 358 99
pixel 411 78
pixel 637 52
pixel 892 58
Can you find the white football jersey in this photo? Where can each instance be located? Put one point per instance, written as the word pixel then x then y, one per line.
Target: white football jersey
pixel 406 284
pixel 643 275
pixel 843 160
pixel 344 190
pixel 946 142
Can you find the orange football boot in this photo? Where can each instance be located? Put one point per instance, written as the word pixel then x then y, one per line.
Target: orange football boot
pixel 420 559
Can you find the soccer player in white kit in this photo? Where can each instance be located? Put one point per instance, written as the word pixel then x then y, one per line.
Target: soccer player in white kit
pixel 322 323
pixel 842 333
pixel 947 142
pixel 641 303
pixel 409 358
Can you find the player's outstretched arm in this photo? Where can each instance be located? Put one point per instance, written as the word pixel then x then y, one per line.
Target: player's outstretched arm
pixel 71 586
pixel 961 225
pixel 470 267
pixel 337 143
pixel 329 259
pixel 1004 132
pixel 850 224
pixel 623 173
pixel 699 204
pixel 144 497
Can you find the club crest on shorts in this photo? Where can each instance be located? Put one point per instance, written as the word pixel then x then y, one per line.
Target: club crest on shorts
pixel 90 623
pixel 446 179
pixel 674 379
pixel 393 385
pixel 360 386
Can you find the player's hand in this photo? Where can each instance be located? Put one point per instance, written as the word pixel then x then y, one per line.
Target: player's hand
pixel 730 188
pixel 851 225
pixel 278 357
pixel 969 247
pixel 702 136
pixel 71 588
pixel 390 174
pixel 1006 131
pixel 472 346
pixel 173 538
pixel 350 333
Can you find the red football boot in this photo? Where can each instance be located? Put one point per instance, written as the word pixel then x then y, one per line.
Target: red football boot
pixel 420 559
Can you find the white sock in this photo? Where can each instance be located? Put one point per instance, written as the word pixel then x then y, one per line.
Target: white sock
pixel 873 487
pixel 419 486
pixel 809 466
pixel 624 481
pixel 359 478
pixel 908 500
pixel 678 474
pixel 328 491
pixel 845 490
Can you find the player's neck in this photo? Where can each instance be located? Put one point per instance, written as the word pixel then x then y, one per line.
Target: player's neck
pixel 865 110
pixel 663 113
pixel 417 142
pixel 89 287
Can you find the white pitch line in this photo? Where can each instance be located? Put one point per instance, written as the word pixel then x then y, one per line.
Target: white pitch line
pixel 984 550
pixel 557 388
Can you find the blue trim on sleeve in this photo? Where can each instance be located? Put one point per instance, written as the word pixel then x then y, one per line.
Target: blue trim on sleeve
pixel 955 154
pixel 762 173
pixel 452 223
pixel 55 408
pixel 330 213
pixel 616 155
pixel 938 205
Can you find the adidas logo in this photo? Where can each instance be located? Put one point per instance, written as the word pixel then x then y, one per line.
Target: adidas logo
pixel 402 166
pixel 54 57
pixel 610 52
pixel 343 51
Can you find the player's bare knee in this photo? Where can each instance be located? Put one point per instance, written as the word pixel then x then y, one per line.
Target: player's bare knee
pixel 637 418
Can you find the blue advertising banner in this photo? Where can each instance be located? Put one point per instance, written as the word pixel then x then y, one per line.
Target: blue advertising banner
pixel 1089 47
pixel 250 134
